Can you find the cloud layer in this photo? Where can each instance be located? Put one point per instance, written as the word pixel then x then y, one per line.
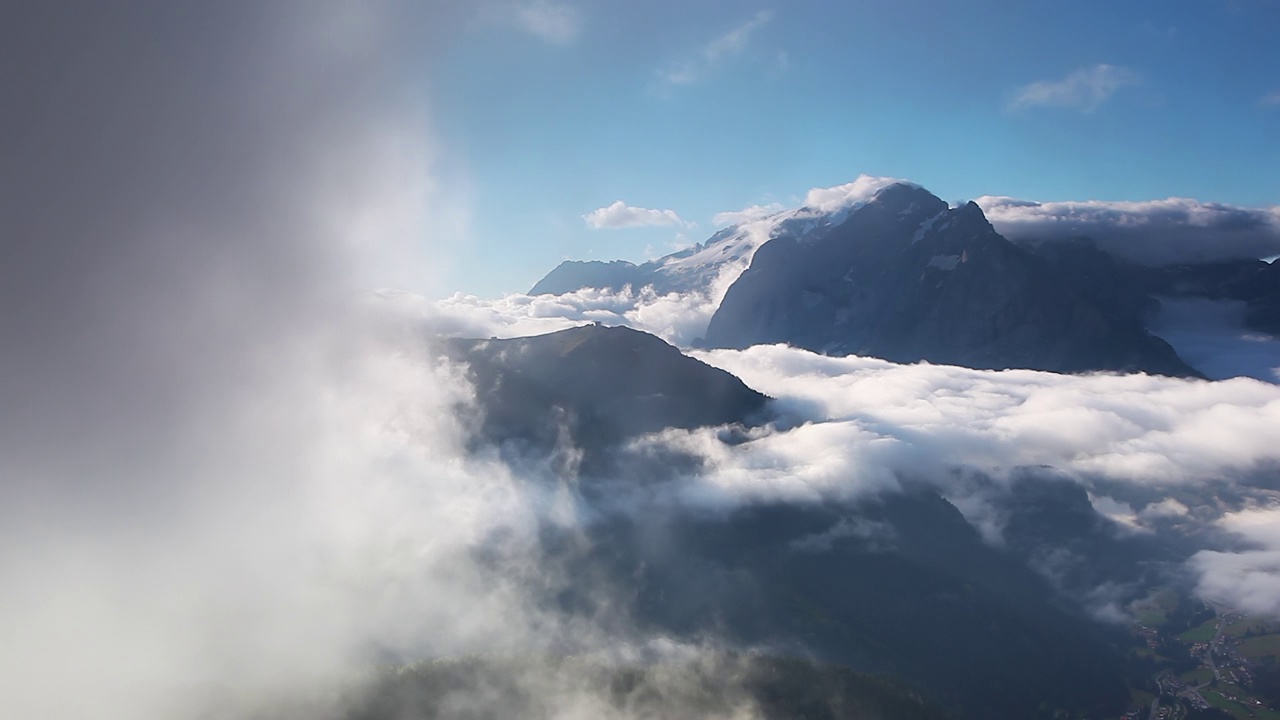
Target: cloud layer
pixel 677 318
pixel 1152 232
pixel 1145 429
pixel 1172 458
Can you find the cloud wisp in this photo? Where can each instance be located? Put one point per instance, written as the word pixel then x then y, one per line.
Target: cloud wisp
pixel 718 52
pixel 1084 90
pixel 555 22
pixel 621 215
pixel 747 214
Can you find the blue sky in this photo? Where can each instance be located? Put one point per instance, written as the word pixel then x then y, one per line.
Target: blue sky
pixel 547 110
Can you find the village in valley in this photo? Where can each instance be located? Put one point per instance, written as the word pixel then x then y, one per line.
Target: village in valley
pixel 1207 662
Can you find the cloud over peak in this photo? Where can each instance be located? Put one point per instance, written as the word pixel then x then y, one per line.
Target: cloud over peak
pixel 1085 89
pixel 860 190
pixel 746 214
pixel 621 215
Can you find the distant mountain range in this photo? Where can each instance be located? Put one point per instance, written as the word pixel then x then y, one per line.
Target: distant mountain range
pixel 905 277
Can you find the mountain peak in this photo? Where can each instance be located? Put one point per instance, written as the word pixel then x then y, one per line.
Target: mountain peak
pixel 907 278
pixel 604 384
pixel 907 202
pixel 900 191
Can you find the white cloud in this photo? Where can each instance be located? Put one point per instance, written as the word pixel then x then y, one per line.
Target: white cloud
pixel 1247 580
pixel 1271 99
pixel 1152 232
pixel 677 318
pixel 1085 89
pixel 1145 429
pixel 1167 508
pixel 747 214
pixel 622 215
pixel 860 190
pixel 554 22
pixel 717 52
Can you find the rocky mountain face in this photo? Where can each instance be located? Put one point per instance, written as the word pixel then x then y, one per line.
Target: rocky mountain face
pixel 907 278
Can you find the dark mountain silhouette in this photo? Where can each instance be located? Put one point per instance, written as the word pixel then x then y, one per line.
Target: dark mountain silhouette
pixel 595 386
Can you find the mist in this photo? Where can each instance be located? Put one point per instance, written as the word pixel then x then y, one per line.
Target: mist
pixel 223 467
pixel 235 481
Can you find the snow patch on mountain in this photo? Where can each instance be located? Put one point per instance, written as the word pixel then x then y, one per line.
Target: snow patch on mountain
pixel 944 262
pixel 926 226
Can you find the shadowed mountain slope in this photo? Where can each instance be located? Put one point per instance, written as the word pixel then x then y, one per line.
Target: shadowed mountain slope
pixel 907 278
pixel 598 384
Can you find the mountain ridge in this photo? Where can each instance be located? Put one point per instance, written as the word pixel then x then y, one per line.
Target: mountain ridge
pixel 1058 304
